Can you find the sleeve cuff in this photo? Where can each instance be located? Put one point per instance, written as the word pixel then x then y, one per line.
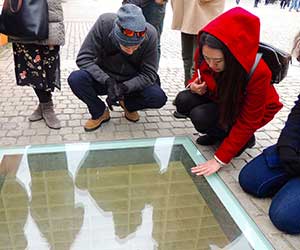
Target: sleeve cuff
pixel 219 161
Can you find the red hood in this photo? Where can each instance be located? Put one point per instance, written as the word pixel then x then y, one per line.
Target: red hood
pixel 239 30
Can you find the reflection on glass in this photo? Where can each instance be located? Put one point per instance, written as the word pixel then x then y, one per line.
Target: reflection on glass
pixel 131 199
pixel 13 205
pixel 52 207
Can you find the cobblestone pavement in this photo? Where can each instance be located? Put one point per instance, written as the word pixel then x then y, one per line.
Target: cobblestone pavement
pixel 278 27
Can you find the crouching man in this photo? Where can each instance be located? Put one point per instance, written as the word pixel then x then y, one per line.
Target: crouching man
pixel 118 58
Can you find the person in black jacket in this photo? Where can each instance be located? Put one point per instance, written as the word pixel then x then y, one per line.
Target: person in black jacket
pixel 118 58
pixel 276 172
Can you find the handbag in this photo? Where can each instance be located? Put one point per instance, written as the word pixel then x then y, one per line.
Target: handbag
pixel 25 19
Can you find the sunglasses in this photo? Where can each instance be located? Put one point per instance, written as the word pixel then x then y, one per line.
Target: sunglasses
pixel 131 33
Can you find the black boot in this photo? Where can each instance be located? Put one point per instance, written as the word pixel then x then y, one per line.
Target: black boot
pixel 178 115
pixel 207 140
pixel 249 144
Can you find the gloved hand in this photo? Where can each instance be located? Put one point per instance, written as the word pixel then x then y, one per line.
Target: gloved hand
pixel 112 98
pixel 115 92
pixel 290 160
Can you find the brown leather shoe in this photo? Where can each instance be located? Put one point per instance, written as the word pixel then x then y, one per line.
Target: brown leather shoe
pixel 92 125
pixel 130 116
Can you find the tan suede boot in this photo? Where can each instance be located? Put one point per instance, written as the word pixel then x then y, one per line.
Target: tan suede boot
pixel 130 116
pixel 36 115
pixel 49 115
pixel 93 124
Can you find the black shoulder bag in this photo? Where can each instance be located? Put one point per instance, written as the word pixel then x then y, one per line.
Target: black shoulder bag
pixel 25 19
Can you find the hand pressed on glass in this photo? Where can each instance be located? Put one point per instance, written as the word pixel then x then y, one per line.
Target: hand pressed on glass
pixel 206 168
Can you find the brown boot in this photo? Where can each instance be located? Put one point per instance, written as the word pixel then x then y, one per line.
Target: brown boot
pixel 49 115
pixel 36 115
pixel 91 124
pixel 130 116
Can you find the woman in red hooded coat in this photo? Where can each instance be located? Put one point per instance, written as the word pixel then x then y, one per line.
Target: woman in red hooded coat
pixel 222 103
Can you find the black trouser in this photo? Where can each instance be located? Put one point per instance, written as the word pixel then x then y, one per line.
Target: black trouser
pixel 283 3
pixel 189 45
pixel 202 111
pixel 44 96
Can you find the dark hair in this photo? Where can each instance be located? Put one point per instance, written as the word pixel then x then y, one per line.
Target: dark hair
pixel 231 82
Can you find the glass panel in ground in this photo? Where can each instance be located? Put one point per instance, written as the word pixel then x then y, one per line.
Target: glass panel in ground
pixel 109 199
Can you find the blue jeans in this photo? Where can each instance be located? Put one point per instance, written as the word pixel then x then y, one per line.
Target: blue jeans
pixel 154 14
pixel 265 177
pixel 87 90
pixel 295 5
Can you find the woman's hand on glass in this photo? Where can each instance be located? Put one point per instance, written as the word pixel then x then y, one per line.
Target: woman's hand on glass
pixel 206 168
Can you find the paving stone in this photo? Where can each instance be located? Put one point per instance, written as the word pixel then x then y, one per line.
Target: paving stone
pixel 164 125
pixel 262 203
pixel 238 163
pixel 123 135
pixel 73 123
pixel 151 133
pixel 150 125
pixel 38 139
pixel 88 136
pixel 23 141
pixel 54 139
pixel 152 113
pixel 167 119
pixel 29 132
pixel 9 125
pixel 178 124
pixel 165 132
pixel 122 127
pixel 71 137
pixel 14 133
pixel 279 242
pixel 152 119
pixel 294 240
pixel 8 141
pixel 65 131
pixel 138 134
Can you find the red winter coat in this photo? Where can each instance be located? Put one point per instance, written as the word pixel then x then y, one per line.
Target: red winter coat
pixel 239 30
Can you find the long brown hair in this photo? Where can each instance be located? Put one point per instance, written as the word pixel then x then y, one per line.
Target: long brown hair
pixel 231 82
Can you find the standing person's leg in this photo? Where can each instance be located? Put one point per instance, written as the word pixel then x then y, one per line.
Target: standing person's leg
pixel 285 3
pixel 154 14
pixel 285 207
pixel 293 5
pixel 43 75
pixel 255 3
pixel 298 6
pixel 263 176
pixel 87 90
pixel 188 44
